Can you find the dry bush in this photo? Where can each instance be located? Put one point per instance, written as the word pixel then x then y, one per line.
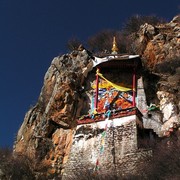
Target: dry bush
pixel 13 168
pixel 19 167
pixel 101 42
pixel 133 23
pixel 73 44
pixel 165 161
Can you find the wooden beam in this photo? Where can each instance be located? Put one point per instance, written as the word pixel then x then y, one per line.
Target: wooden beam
pixel 134 88
pixel 97 89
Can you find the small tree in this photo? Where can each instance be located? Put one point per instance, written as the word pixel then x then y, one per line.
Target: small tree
pixel 133 23
pixel 19 167
pixel 73 44
pixel 102 42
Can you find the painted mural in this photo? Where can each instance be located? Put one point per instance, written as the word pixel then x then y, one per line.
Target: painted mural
pixel 111 96
pixel 114 100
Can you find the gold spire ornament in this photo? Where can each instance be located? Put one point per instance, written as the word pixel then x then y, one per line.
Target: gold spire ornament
pixel 114 48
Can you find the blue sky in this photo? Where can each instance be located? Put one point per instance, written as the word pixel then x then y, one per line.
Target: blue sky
pixel 32 32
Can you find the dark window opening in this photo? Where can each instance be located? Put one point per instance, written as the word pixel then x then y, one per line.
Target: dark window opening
pixel 146 138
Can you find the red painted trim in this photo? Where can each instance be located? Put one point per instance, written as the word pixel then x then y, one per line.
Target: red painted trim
pixel 134 89
pixel 100 117
pixel 97 89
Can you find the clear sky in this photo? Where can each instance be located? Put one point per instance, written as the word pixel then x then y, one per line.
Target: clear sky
pixel 33 32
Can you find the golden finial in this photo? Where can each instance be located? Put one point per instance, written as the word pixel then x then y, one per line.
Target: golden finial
pixel 97 70
pixel 114 48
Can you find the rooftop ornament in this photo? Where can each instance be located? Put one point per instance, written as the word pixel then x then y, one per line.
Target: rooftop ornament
pixel 114 48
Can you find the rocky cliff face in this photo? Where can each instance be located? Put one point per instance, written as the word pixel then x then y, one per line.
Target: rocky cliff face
pixel 48 127
pixel 46 133
pixel 159 48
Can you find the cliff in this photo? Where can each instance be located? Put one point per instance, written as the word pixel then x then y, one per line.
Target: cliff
pixel 160 54
pixel 46 133
pixel 48 128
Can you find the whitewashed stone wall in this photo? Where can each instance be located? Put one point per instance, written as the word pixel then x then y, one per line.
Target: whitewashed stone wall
pixel 120 153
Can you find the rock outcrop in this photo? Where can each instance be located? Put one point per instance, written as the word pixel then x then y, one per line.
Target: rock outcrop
pixel 159 47
pixel 48 128
pixel 46 133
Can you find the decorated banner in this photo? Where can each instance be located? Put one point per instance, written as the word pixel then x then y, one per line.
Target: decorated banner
pixel 111 96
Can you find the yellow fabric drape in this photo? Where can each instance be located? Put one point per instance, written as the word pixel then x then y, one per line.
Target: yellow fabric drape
pixel 120 88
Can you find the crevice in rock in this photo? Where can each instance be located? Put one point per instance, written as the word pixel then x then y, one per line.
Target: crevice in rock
pixel 52 127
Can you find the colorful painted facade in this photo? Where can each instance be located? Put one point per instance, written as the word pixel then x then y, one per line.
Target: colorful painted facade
pixel 113 89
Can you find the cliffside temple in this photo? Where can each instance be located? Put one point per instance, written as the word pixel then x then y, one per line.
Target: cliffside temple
pixel 114 96
pixel 103 114
pixel 108 137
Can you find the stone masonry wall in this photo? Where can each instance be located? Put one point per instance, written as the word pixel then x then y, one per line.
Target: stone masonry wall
pixel 111 143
